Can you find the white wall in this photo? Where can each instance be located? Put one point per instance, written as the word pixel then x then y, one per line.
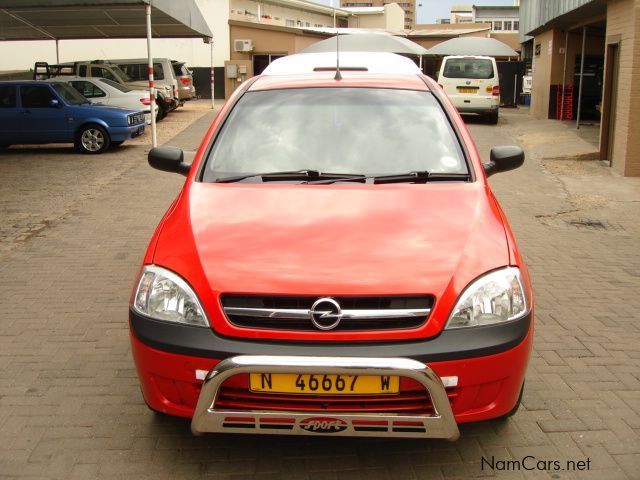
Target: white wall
pixel 22 55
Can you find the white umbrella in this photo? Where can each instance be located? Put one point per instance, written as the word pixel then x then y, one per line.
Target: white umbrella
pixel 368 42
pixel 488 47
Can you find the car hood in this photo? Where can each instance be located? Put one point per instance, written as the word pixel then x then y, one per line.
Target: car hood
pixel 334 239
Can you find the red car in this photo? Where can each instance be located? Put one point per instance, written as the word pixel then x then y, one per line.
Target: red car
pixel 335 264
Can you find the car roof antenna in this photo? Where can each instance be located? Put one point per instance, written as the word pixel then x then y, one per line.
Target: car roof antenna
pixel 338 74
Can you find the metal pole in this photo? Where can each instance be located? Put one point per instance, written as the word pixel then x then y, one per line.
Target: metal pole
pixel 584 40
pixel 564 73
pixel 57 52
pixel 152 89
pixel 213 97
pixel 515 90
pixel 421 64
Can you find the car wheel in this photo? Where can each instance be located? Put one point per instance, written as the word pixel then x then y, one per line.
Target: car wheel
pixel 162 111
pixel 493 118
pixel 92 139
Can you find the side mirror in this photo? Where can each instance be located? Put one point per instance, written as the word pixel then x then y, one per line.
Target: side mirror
pixel 55 103
pixel 168 159
pixel 503 159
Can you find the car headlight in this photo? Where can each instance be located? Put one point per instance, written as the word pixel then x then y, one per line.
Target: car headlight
pixel 496 297
pixel 163 295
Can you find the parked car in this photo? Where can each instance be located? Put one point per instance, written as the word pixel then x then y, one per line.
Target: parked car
pixel 102 91
pixel 472 84
pixel 163 76
pixel 186 89
pixel 34 112
pixel 341 288
pixel 102 69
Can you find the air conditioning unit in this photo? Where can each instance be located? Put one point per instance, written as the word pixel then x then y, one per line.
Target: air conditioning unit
pixel 243 45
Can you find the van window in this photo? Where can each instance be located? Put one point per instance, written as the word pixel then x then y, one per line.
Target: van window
pixel 138 71
pixel 7 96
pixel 475 68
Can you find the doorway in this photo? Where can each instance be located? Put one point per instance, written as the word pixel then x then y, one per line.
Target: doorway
pixel 609 102
pixel 590 105
pixel 262 61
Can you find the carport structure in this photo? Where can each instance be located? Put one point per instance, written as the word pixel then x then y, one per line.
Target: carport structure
pixel 101 19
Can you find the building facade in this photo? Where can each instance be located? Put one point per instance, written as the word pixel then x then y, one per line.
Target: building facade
pixel 461 13
pixel 408 6
pixel 584 65
pixel 503 19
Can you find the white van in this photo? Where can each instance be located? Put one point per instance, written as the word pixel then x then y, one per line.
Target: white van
pixel 472 84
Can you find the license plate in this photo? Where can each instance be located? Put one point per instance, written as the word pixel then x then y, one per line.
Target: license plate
pixel 319 384
pixel 467 90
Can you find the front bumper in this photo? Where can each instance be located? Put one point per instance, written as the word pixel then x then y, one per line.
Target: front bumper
pixel 178 367
pixel 439 424
pixel 119 134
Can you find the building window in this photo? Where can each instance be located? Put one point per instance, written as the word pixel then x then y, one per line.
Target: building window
pixel 507 26
pixel 497 26
pixel 290 23
pixel 307 24
pixel 516 25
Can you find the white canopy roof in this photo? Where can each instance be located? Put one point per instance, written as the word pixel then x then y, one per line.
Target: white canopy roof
pixel 75 19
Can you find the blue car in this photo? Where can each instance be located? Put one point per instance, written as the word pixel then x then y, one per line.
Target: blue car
pixel 33 112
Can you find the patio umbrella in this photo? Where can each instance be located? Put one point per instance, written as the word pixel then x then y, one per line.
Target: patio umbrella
pixel 368 42
pixel 489 47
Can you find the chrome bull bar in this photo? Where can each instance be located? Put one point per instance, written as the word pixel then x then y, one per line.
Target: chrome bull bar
pixel 440 424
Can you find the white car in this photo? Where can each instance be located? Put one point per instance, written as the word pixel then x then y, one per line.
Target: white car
pixel 108 92
pixel 472 84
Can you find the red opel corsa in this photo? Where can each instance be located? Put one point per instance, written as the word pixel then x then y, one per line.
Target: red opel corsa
pixel 335 264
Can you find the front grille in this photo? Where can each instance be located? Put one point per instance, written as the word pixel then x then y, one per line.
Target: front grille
pixel 135 118
pixel 413 402
pixel 279 312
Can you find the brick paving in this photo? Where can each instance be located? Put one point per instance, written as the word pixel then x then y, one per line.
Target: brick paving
pixel 70 407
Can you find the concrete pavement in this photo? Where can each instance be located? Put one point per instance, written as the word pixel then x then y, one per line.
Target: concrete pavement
pixel 69 400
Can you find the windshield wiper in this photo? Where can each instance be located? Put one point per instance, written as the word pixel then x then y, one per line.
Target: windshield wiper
pixel 311 176
pixel 410 177
pixel 420 177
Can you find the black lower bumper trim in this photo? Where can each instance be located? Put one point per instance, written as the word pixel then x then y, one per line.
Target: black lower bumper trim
pixel 449 345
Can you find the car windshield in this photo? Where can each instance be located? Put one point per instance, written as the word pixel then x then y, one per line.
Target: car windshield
pixel 69 94
pixel 475 68
pixel 367 131
pixel 116 85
